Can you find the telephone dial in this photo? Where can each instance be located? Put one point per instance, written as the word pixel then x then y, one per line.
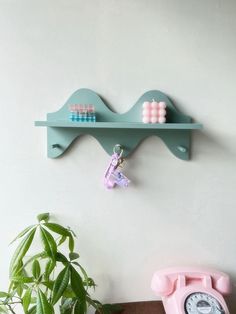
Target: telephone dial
pixel 192 290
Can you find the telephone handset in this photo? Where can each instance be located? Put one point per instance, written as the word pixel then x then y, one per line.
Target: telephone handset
pixel 192 290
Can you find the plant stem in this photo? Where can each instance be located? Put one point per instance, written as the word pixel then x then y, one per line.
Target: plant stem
pixel 8 303
pixel 11 309
pixel 3 303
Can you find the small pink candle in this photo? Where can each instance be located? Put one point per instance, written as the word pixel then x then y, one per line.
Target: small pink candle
pixel 146 120
pixel 154 104
pixel 146 112
pixel 161 119
pixel 154 119
pixel 162 104
pixel 146 105
pixel 154 112
pixel 161 112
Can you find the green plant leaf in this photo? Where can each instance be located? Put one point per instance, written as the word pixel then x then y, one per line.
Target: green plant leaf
pixel 51 264
pixel 94 303
pixel 89 282
pixel 60 284
pixel 19 269
pixel 3 309
pixel 82 270
pixel 66 306
pixel 41 255
pixel 71 243
pixel 49 284
pixel 21 250
pixel 111 308
pixel 73 233
pixel 58 229
pixel 22 279
pixel 80 307
pixel 22 233
pixel 69 293
pixel 26 300
pixel 36 269
pixel 73 256
pixel 77 285
pixel 66 311
pixel 62 240
pixel 19 289
pixel 43 217
pixel 49 243
pixel 43 306
pixel 61 258
pixel 3 294
pixel 33 300
pixel 32 310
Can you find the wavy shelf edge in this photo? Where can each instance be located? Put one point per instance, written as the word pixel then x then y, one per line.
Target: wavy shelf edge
pixel 113 128
pixel 118 125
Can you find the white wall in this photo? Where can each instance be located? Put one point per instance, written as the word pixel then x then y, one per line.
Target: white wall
pixel 175 212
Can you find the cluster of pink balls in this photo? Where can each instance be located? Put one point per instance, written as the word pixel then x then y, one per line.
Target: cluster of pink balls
pixel 154 112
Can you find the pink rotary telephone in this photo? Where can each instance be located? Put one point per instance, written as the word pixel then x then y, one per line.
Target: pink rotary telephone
pixel 192 290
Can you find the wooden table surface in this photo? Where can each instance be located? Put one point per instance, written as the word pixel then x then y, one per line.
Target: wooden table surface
pixel 156 307
pixel 148 307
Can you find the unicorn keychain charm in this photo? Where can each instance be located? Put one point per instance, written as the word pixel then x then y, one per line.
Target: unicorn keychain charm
pixel 113 176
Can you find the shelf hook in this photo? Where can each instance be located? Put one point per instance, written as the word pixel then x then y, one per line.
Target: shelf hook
pixel 118 149
pixel 55 146
pixel 182 149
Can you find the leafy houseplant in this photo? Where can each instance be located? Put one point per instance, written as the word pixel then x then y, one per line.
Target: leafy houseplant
pixel 40 282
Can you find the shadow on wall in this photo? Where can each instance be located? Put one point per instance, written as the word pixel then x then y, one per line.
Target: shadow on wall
pixel 205 142
pixel 219 150
pixel 231 301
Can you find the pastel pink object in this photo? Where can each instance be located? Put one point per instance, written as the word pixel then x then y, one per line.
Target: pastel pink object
pixel 154 119
pixel 162 104
pixel 146 105
pixel 154 112
pixel 146 120
pixel 154 105
pixel 146 112
pixel 161 112
pixel 161 119
pixel 192 290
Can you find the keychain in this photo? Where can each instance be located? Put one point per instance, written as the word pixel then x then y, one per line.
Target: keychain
pixel 113 176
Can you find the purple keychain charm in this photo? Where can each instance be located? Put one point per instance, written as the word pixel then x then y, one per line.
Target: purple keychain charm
pixel 113 176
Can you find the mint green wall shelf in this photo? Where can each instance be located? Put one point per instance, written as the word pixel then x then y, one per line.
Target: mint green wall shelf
pixel 113 128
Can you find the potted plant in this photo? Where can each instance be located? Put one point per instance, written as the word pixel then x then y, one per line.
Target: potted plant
pixel 39 283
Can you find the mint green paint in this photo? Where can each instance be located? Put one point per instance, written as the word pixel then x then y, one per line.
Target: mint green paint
pixel 112 128
pixel 118 125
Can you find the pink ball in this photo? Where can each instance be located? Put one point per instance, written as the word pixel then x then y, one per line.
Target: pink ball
pixel 146 120
pixel 161 112
pixel 162 104
pixel 154 112
pixel 154 119
pixel 146 105
pixel 146 112
pixel 154 104
pixel 162 120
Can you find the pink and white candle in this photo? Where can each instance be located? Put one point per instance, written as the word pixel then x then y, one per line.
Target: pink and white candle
pixel 154 112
